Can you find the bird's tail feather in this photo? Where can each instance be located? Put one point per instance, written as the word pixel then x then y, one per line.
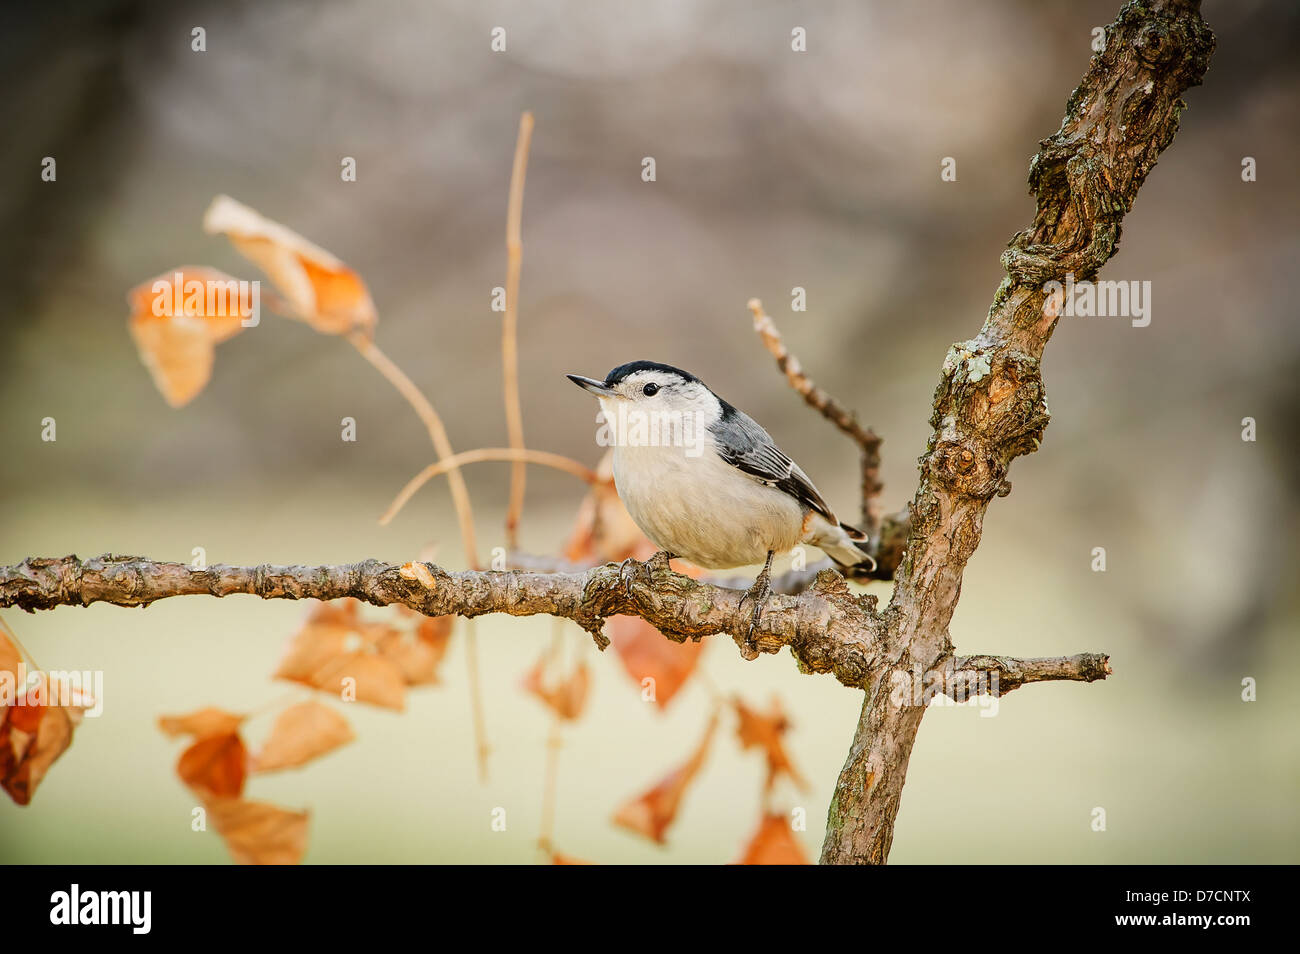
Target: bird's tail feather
pixel 845 545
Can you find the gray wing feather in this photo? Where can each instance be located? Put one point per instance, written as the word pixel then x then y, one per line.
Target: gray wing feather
pixel 742 443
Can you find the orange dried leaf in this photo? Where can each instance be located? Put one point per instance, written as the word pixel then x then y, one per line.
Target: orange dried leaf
pixel 335 645
pixel 560 859
pixel 651 813
pixel 765 732
pixel 647 654
pixel 259 834
pixel 215 766
pixel 25 757
pixel 26 717
pixel 774 844
pixel 201 723
pixel 418 652
pixel 178 345
pixel 364 677
pixel 320 289
pixel 34 732
pixel 300 734
pixel 567 696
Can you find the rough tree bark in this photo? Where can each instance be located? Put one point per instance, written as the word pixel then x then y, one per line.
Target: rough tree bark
pixel 989 409
pixel 990 406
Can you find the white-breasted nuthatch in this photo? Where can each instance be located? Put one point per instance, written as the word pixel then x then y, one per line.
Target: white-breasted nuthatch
pixel 705 482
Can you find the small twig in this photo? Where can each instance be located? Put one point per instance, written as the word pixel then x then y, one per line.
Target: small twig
pixel 456 461
pixel 437 433
pixel 1012 673
pixel 510 328
pixel 835 412
pixel 482 748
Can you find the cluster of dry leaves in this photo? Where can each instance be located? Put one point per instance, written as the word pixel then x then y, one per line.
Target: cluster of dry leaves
pixel 34 729
pixel 338 652
pixel 178 345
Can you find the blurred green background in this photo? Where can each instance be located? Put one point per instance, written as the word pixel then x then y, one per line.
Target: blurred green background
pixel 775 169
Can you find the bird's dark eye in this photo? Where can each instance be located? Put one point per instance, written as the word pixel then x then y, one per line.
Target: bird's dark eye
pixel 651 389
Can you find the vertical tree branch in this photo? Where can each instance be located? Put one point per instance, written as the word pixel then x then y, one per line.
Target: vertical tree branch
pixel 990 405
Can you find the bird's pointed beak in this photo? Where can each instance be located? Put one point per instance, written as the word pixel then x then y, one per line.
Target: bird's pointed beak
pixel 590 384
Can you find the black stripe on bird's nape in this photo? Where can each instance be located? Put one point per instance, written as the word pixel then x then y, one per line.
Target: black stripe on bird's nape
pixel 632 367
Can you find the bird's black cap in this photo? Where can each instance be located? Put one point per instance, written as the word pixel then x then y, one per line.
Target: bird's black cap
pixel 632 367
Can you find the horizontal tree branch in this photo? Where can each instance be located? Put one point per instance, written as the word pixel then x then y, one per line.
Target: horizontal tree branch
pixel 827 627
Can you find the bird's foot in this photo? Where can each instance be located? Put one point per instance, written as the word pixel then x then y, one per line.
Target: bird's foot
pixel 759 593
pixel 630 569
pixel 627 573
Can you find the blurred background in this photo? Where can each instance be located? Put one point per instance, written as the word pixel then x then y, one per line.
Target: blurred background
pixel 775 169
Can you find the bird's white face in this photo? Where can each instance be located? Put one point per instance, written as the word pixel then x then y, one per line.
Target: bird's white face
pixel 655 408
pixel 660 391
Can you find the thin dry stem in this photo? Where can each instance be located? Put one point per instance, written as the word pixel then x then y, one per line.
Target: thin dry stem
pixel 482 748
pixel 437 433
pixel 551 778
pixel 456 461
pixel 867 440
pixel 510 329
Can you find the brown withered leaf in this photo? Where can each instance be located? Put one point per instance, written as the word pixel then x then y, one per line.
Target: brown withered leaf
pixel 566 696
pixel 334 644
pixel 178 345
pixel 200 723
pixel 26 756
pixel 774 844
pixel 301 733
pixel 215 766
pixel 647 654
pixel 257 833
pixel 320 289
pixel 373 678
pixel 34 731
pixel 418 652
pixel 765 732
pixel 651 813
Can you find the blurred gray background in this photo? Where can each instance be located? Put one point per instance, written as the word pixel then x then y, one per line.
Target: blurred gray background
pixel 775 169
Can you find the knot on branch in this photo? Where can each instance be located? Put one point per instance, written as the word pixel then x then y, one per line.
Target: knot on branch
pixel 990 408
pixel 1172 40
pixel 962 468
pixel 1077 227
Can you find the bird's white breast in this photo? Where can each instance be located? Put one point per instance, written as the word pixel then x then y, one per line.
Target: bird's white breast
pixel 692 503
